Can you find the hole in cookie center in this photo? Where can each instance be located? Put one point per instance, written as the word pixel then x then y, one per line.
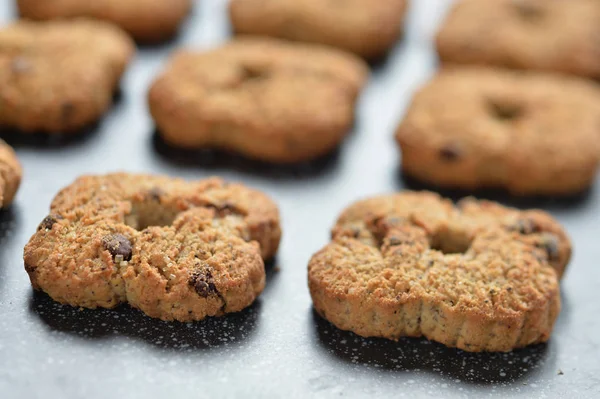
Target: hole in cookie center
pixel 450 242
pixel 505 111
pixel 149 213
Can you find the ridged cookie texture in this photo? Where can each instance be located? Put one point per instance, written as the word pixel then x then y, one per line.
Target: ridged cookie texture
pixel 476 276
pixel 59 76
pixel 559 36
pixel 528 133
pixel 145 20
pixel 176 250
pixel 266 99
pixel 365 27
pixel 10 174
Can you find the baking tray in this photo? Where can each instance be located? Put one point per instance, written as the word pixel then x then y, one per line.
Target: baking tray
pixel 278 347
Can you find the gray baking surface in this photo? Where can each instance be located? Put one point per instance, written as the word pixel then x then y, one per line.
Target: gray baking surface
pixel 278 347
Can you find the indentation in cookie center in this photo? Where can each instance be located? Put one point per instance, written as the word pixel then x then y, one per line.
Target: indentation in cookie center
pixel 150 213
pixel 253 73
pixel 450 242
pixel 527 11
pixel 505 111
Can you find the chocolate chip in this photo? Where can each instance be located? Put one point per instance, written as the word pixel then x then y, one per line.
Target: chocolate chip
pixel 117 245
pixel 226 208
pixel 525 226
pixel 20 65
pixel 67 110
pixel 155 194
pixel 49 221
pixel 29 268
pixel 549 242
pixel 450 152
pixel 203 283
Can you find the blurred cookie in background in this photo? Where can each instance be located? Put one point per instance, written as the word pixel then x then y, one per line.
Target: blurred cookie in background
pixel 145 20
pixel 59 76
pixel 529 133
pixel 365 27
pixel 263 98
pixel 560 36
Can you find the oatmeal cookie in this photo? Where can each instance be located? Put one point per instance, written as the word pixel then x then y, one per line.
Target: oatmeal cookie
pixel 364 27
pixel 58 77
pixel 476 276
pixel 532 134
pixel 145 20
pixel 10 174
pixel 263 98
pixel 549 35
pixel 176 250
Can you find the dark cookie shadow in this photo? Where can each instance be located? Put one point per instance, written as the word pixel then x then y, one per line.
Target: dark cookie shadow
pixel 218 160
pixel 97 324
pixel 17 138
pixel 419 354
pixel 527 202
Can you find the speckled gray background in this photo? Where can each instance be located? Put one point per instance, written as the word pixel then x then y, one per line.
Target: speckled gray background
pixel 278 347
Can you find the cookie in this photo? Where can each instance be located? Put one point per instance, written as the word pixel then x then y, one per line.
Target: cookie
pixel 176 250
pixel 363 27
pixel 476 276
pixel 10 174
pixel 263 98
pixel 546 35
pixel 532 134
pixel 145 20
pixel 58 77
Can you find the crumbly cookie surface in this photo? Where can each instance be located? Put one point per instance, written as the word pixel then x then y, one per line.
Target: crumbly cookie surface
pixel 10 174
pixel 528 133
pixel 263 98
pixel 58 77
pixel 364 27
pixel 476 276
pixel 145 20
pixel 529 34
pixel 176 250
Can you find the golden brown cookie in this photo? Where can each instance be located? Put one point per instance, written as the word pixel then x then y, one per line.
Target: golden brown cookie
pixel 145 20
pixel 263 98
pixel 176 250
pixel 528 133
pixel 58 77
pixel 367 28
pixel 476 276
pixel 548 35
pixel 10 174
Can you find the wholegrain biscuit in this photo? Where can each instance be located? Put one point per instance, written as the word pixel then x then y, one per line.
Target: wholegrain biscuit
pixel 263 98
pixel 547 35
pixel 363 27
pixel 476 276
pixel 10 174
pixel 176 250
pixel 145 20
pixel 532 134
pixel 58 77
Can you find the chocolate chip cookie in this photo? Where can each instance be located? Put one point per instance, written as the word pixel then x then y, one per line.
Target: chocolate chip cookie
pixel 10 174
pixel 475 276
pixel 552 35
pixel 364 27
pixel 532 134
pixel 145 20
pixel 176 250
pixel 58 77
pixel 265 99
